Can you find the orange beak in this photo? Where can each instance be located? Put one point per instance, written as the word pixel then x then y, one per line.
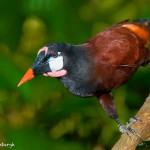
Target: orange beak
pixel 28 76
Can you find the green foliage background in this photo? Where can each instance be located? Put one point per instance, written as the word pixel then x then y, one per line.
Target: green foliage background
pixel 42 114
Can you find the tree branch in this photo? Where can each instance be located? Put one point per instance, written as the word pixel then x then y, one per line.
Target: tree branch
pixel 141 127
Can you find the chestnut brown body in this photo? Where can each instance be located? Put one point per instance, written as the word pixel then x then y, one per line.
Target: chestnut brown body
pixel 118 52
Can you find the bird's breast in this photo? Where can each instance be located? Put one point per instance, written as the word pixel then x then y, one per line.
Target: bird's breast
pixel 77 87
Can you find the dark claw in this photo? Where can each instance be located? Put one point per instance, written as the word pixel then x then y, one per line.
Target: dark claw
pixel 135 133
pixel 125 128
pixel 134 119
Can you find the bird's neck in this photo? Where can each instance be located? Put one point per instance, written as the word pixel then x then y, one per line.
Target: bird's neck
pixel 79 59
pixel 77 80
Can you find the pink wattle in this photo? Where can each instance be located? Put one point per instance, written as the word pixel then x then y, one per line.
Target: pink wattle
pixel 56 74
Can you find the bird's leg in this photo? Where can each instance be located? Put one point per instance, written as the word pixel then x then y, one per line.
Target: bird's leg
pixel 125 128
pixel 107 102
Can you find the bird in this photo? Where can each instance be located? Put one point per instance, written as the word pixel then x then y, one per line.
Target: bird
pixel 103 63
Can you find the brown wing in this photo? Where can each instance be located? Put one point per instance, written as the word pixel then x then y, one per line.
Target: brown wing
pixel 116 53
pixel 125 44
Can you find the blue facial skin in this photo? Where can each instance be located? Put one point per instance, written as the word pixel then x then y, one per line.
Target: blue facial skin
pixel 41 64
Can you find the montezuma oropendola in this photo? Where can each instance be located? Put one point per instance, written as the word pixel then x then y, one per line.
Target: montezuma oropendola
pixel 105 62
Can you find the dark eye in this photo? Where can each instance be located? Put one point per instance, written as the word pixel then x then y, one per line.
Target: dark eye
pixel 54 54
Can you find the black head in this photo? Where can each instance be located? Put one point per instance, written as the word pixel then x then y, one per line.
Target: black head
pixel 51 60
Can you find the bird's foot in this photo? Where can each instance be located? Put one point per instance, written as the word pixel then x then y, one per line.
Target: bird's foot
pixel 126 129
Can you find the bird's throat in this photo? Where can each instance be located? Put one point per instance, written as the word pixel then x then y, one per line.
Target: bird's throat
pixel 56 74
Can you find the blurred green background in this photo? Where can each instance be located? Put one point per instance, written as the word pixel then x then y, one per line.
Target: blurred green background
pixel 42 114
